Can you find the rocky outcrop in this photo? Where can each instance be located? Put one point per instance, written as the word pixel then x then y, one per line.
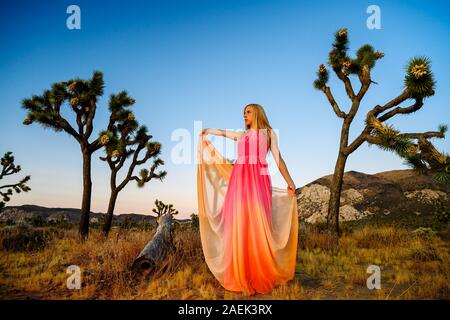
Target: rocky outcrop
pixel 364 194
pixel 425 195
pixel 313 204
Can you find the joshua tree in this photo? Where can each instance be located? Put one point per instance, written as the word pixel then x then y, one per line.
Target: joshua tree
pixel 81 97
pixel 10 168
pixel 162 209
pixel 419 84
pixel 119 142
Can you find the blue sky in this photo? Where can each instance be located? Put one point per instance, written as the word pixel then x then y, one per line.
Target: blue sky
pixel 187 61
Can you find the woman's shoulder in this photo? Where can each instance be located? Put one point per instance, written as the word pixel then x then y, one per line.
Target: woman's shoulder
pixel 240 134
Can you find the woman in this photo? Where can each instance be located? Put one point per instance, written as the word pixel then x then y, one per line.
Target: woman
pixel 248 228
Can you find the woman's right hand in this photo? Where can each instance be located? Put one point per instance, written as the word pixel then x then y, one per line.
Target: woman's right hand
pixel 291 189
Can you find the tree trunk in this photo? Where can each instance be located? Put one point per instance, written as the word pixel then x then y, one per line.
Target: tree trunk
pixel 87 189
pixel 110 213
pixel 335 195
pixel 157 248
pixel 336 182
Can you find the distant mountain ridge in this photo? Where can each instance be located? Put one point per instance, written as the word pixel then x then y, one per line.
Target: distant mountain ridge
pixel 71 215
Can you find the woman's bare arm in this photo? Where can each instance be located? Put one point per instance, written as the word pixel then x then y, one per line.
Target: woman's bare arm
pixel 280 162
pixel 235 135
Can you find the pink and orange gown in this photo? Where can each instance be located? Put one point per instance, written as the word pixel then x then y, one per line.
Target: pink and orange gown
pixel 248 228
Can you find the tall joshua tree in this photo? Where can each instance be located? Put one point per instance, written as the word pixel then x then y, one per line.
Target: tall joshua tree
pixel 123 140
pixel 9 168
pixel 81 97
pixel 415 148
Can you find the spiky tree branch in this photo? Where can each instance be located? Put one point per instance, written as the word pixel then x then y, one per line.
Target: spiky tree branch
pixel 333 103
pixel 413 108
pixel 421 156
pixel 9 168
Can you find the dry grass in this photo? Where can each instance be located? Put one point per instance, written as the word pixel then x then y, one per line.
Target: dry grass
pixel 413 266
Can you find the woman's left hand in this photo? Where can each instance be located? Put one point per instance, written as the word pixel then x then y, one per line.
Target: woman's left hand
pixel 205 131
pixel 291 189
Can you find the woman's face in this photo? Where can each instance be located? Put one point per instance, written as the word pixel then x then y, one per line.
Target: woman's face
pixel 249 116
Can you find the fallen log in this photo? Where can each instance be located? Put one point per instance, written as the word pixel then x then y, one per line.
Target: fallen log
pixel 158 247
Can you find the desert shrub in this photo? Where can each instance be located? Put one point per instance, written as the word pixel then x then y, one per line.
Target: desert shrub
pixel 147 225
pixel 442 210
pixel 424 232
pixel 128 224
pixel 371 237
pixel 35 221
pixel 313 236
pixel 23 237
pixel 424 253
pixel 194 221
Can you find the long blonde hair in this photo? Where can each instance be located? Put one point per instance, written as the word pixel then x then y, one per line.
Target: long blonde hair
pixel 261 119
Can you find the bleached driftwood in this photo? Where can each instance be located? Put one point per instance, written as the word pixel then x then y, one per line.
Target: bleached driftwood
pixel 157 248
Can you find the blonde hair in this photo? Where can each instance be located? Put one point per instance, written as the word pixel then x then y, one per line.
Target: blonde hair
pixel 261 119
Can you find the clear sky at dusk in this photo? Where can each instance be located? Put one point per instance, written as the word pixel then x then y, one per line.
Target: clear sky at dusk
pixel 187 61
